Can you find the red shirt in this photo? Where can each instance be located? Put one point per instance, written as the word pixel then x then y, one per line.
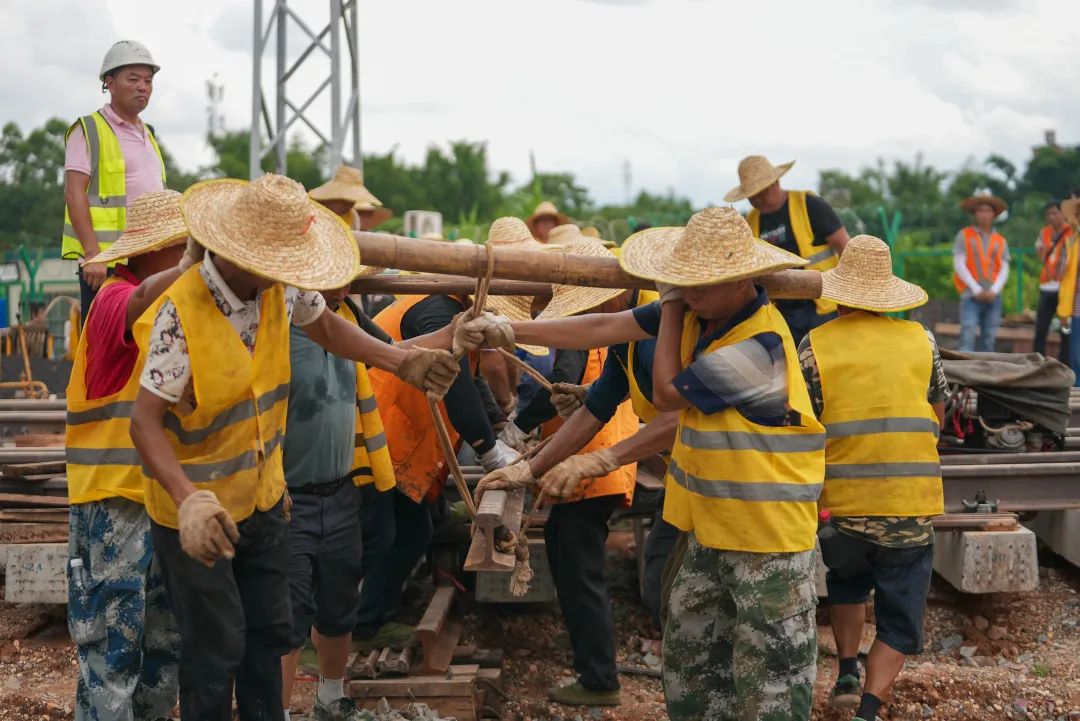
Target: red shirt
pixel 111 351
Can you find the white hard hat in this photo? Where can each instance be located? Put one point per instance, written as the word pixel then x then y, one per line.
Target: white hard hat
pixel 126 52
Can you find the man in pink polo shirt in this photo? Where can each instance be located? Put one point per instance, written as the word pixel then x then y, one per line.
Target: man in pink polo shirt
pixel 112 157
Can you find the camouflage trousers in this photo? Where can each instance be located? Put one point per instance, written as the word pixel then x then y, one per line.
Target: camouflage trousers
pixel 740 642
pixel 120 621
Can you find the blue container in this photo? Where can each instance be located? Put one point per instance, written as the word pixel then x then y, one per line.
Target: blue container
pixel 3 312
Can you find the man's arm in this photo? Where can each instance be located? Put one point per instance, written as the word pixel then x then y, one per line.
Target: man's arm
pixel 147 292
pixel 655 437
pixel 667 364
pixel 571 437
pixel 1002 279
pixel 148 435
pixel 347 340
pixel 75 185
pixel 495 371
pixel 838 240
pixel 582 332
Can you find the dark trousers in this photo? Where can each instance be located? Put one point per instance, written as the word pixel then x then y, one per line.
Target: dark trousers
pixel 412 526
pixel 377 530
pixel 658 544
pixel 234 620
pixel 576 539
pixel 1044 314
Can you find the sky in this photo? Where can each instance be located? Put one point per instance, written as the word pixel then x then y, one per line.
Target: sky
pixel 678 89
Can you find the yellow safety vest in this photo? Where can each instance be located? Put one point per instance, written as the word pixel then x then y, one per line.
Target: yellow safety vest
pixel 821 256
pixel 642 406
pixel 881 455
pixel 1067 293
pixel 101 459
pixel 232 442
pixel 740 486
pixel 106 192
pixel 371 457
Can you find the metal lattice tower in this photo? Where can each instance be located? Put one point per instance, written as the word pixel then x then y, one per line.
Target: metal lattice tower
pixel 269 132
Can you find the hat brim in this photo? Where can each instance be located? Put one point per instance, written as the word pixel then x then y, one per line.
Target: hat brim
pixel 890 296
pixel 379 214
pixel 970 205
pixel 650 254
pixel 742 192
pixel 133 243
pixel 1070 208
pixel 329 259
pixel 560 217
pixel 577 299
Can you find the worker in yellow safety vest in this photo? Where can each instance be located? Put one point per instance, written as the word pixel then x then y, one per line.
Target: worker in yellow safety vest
pixel 1068 309
pixel 797 221
pixel 111 158
pixel 208 423
pixel 882 408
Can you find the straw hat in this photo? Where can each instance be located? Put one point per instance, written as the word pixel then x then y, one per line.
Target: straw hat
pixel 1070 208
pixel 518 308
pixel 864 279
pixel 716 246
pixel 567 300
pixel 970 205
pixel 755 174
pixel 590 231
pixel 270 227
pixel 546 208
pixel 348 185
pixel 154 222
pixel 510 232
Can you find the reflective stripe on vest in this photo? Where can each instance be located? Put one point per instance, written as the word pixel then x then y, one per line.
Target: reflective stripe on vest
pixel 231 443
pixel 822 257
pixel 881 432
pixel 371 457
pixel 106 191
pixel 740 486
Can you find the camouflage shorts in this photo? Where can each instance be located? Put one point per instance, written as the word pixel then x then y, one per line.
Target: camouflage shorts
pixel 125 633
pixel 740 642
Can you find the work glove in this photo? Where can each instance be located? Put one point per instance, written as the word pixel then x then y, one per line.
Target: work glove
pixel 499 456
pixel 564 479
pixel 487 330
pixel 207 532
pixel 567 398
pixel 669 292
pixel 516 475
pixel 514 437
pixel 193 253
pixel 432 371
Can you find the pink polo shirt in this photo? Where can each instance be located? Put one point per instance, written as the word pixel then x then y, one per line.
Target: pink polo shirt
pixel 142 169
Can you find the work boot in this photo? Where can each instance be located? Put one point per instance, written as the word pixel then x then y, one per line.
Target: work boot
pixel 577 695
pixel 846 693
pixel 343 709
pixel 393 634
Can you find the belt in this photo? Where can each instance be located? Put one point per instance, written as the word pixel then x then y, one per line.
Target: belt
pixel 330 487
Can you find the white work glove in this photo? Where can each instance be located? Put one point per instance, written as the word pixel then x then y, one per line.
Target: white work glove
pixel 193 253
pixel 564 479
pixel 669 292
pixel 568 397
pixel 514 437
pixel 499 456
pixel 207 532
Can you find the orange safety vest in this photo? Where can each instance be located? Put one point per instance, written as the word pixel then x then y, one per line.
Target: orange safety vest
pixel 984 266
pixel 418 460
pixel 621 426
pixel 1054 262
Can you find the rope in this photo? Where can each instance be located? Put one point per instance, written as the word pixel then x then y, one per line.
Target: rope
pixel 526 368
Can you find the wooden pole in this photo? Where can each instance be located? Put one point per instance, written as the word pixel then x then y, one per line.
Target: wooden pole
pixel 434 256
pixel 435 284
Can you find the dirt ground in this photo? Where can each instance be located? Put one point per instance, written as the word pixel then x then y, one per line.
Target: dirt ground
pixel 988 658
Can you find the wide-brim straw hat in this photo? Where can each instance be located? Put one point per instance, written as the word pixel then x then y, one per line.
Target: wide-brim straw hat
pixel 970 205
pixel 755 174
pixel 270 227
pixel 568 300
pixel 348 185
pixel 716 246
pixel 546 209
pixel 511 232
pixel 864 279
pixel 154 222
pixel 1070 208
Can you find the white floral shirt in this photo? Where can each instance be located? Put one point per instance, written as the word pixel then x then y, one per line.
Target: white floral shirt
pixel 167 372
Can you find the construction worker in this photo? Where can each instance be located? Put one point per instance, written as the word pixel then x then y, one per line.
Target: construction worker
pixel 118 613
pixel 980 271
pixel 882 409
pixel 1051 245
pixel 209 421
pixel 797 221
pixel 111 158
pixel 1068 309
pixel 334 448
pixel 347 197
pixel 576 531
pixel 545 218
pixel 745 473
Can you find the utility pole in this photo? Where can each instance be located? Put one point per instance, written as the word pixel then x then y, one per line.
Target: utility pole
pixel 274 110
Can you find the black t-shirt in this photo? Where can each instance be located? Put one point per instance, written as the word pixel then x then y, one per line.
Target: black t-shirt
pixel 775 227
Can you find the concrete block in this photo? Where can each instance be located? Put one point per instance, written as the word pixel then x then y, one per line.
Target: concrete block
pixel 494 586
pixel 1060 530
pixel 988 561
pixel 37 573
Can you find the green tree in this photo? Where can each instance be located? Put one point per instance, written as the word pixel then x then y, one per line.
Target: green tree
pixel 458 183
pixel 232 150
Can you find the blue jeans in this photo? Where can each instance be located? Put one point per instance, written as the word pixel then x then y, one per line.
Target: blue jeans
pixel 984 318
pixel 1074 348
pixel 527 385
